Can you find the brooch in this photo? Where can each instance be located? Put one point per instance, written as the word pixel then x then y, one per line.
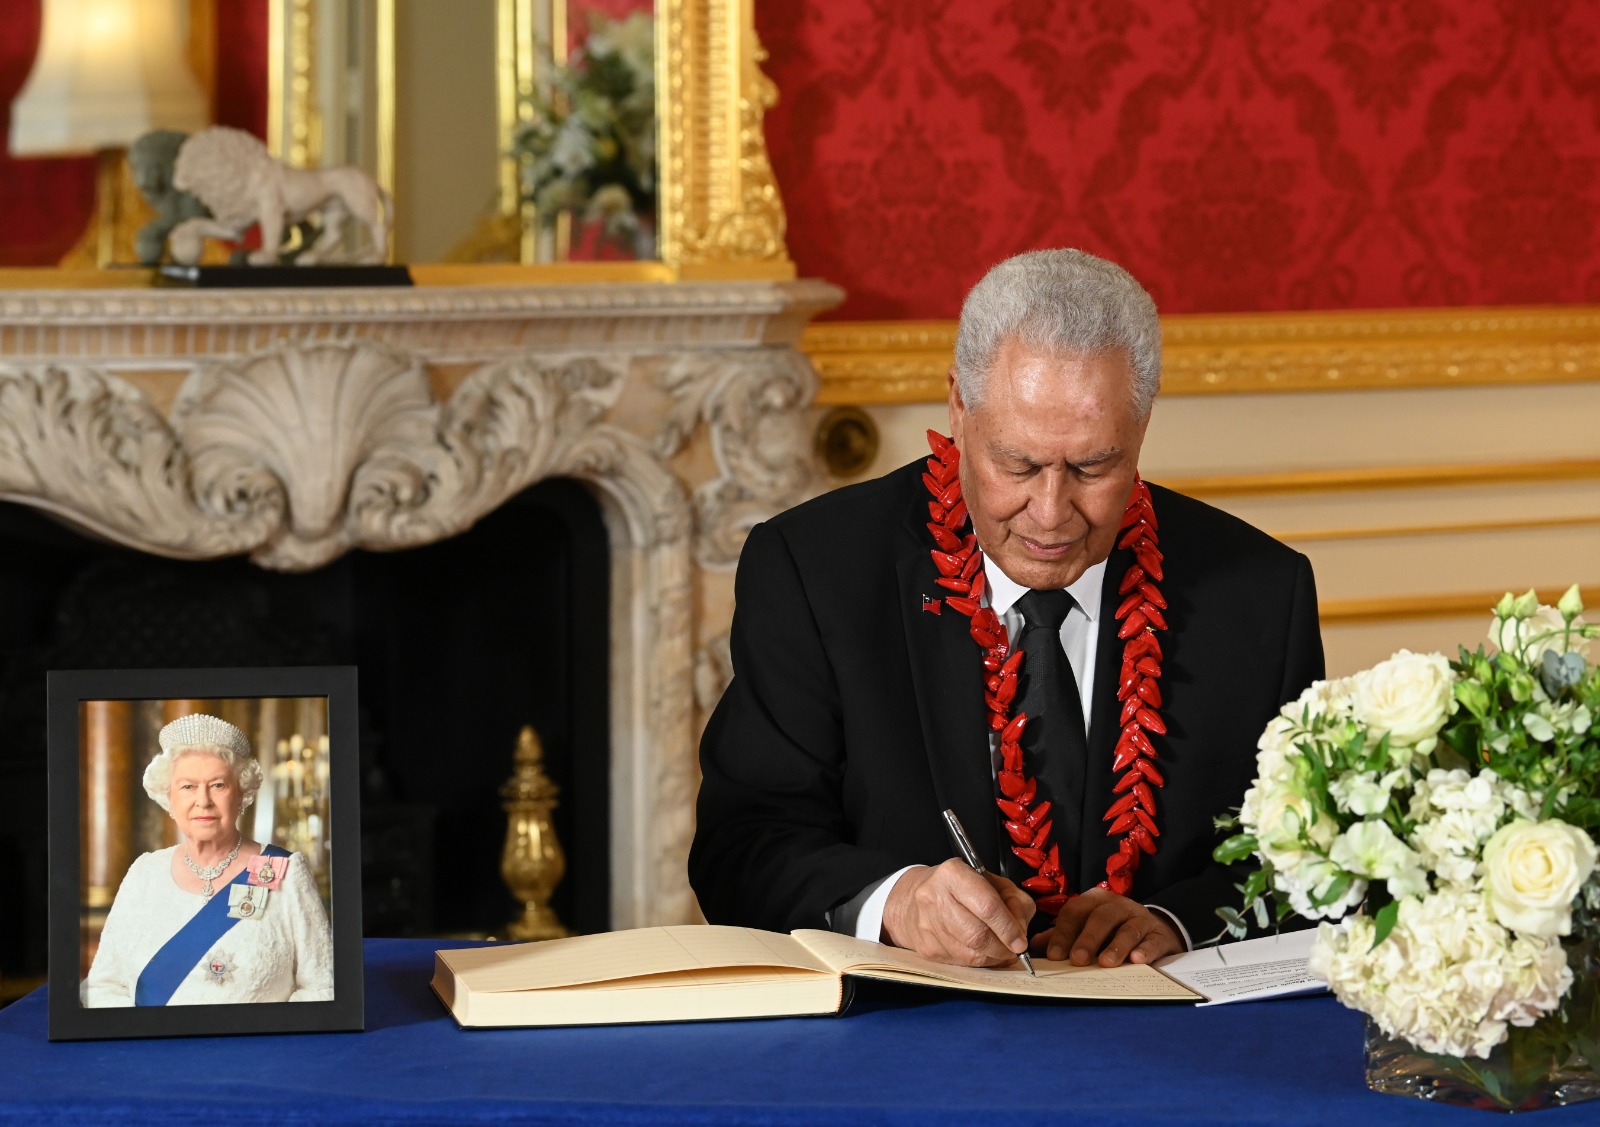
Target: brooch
pixel 266 872
pixel 219 968
pixel 246 901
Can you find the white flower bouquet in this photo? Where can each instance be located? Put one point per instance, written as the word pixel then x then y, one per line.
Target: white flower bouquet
pixel 1439 816
pixel 587 144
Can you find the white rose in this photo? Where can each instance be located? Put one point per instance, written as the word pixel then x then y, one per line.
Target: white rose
pixel 1408 696
pixel 1285 819
pixel 1275 751
pixel 1531 872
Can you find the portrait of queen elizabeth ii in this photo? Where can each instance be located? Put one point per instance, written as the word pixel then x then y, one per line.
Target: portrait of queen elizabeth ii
pixel 218 917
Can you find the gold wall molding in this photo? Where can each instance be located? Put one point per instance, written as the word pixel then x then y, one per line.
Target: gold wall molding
pixel 1397 608
pixel 1383 477
pixel 1466 528
pixel 882 362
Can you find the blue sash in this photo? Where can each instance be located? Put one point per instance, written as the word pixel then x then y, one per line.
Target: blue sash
pixel 168 967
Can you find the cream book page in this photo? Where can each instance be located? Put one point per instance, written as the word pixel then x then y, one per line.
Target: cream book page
pixel 849 955
pixel 618 955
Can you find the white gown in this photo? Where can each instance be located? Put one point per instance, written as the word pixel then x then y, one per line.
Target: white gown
pixel 283 954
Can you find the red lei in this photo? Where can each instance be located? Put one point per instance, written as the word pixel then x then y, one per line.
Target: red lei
pixel 1132 812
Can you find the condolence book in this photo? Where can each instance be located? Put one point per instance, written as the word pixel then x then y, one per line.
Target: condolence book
pixel 699 972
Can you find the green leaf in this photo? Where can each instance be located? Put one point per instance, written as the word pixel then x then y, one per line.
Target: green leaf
pixel 1233 921
pixel 1473 697
pixel 1385 921
pixel 1378 758
pixel 1255 886
pixel 1336 888
pixel 1235 848
pixel 1491 1084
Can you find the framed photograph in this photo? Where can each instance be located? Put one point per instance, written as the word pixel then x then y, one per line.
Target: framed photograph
pixel 194 884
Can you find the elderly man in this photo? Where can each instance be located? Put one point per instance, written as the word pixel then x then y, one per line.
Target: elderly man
pixel 1020 630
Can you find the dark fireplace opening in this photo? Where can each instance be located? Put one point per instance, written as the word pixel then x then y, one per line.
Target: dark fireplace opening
pixel 458 645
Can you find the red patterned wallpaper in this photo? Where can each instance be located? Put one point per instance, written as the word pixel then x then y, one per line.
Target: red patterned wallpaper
pixel 45 202
pixel 1233 154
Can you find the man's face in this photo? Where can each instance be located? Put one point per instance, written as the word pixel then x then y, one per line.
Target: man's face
pixel 1048 460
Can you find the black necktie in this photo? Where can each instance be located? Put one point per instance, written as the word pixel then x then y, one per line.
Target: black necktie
pixel 1054 747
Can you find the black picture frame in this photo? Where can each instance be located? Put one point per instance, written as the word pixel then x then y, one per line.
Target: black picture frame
pixel 67 692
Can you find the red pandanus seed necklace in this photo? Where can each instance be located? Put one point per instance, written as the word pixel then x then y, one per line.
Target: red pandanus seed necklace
pixel 1132 813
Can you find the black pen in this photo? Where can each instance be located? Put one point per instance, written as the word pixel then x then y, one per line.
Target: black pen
pixel 970 856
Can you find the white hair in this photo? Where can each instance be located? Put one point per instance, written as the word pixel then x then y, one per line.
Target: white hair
pixel 1061 301
pixel 199 734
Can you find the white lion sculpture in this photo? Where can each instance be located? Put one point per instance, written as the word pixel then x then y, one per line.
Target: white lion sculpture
pixel 231 172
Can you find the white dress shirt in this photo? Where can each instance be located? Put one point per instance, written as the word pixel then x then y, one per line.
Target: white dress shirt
pixel 1079 632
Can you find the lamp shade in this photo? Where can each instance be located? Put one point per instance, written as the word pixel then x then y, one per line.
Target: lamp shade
pixel 107 72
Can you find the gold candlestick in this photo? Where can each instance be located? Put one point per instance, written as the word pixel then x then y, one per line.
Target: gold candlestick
pixel 532 863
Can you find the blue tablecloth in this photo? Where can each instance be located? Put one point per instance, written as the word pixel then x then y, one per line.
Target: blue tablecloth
pixel 901 1055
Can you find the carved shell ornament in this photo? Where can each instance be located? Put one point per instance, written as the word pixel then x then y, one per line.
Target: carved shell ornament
pixel 304 451
pixel 321 419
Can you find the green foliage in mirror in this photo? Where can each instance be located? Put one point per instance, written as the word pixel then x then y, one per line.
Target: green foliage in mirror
pixel 588 141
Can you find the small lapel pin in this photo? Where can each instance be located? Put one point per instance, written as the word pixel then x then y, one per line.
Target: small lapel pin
pixel 932 606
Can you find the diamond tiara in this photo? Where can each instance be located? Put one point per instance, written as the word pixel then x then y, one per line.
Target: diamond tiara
pixel 199 730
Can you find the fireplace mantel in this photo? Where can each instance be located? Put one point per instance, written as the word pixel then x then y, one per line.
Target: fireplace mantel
pixel 293 426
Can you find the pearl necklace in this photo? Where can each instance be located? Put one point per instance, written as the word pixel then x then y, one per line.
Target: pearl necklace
pixel 212 872
pixel 1132 812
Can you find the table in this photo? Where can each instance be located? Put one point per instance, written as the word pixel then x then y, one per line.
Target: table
pixel 901 1055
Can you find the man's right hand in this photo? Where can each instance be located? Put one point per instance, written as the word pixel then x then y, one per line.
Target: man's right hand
pixel 953 915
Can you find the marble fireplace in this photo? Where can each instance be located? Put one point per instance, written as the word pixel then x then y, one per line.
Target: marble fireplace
pixel 291 427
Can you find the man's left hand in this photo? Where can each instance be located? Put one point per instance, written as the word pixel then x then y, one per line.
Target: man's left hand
pixel 1114 928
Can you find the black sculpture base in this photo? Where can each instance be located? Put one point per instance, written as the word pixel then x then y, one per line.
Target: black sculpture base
pixel 283 277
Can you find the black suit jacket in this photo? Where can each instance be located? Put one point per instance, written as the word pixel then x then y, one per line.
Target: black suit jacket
pixel 855 717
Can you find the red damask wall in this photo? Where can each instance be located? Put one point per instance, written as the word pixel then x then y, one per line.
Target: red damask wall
pixel 45 202
pixel 1233 154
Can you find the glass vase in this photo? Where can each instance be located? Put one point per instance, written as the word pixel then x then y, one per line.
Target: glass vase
pixel 1554 1062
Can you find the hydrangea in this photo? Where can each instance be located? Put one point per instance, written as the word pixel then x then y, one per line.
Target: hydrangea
pixel 1456 813
pixel 1443 814
pixel 1448 978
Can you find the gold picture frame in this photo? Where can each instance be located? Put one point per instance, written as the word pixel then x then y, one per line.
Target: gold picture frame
pixel 721 213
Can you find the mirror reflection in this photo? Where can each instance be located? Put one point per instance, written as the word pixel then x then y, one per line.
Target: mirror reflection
pixel 507 130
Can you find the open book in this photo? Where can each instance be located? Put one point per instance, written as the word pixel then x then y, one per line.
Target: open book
pixel 698 972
